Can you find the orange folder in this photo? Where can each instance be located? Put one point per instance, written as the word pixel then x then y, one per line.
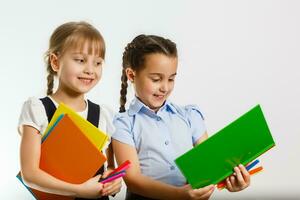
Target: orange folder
pixel 67 154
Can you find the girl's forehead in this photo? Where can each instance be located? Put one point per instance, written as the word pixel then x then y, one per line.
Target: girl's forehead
pixel 159 63
pixel 86 46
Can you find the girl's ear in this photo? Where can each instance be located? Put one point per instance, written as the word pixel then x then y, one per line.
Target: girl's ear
pixel 130 74
pixel 54 62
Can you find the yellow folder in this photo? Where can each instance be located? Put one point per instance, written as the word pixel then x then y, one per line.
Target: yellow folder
pixel 94 134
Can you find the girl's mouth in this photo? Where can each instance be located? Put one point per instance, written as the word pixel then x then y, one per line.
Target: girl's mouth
pixel 86 80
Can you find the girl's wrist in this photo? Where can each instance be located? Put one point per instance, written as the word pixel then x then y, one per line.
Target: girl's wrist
pixel 181 193
pixel 77 190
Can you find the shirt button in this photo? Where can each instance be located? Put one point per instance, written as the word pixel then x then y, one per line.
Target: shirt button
pixel 158 118
pixel 172 168
pixel 167 142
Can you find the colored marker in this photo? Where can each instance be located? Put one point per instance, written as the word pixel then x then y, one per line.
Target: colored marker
pixel 118 172
pixel 113 177
pixel 122 167
pixel 251 165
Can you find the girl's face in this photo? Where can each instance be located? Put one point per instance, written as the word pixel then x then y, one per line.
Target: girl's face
pixel 155 82
pixel 78 71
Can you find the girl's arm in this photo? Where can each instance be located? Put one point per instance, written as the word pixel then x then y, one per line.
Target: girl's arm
pixel 33 176
pixel 145 186
pixel 110 157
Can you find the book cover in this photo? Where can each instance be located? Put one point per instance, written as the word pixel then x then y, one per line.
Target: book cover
pixel 67 154
pixel 241 141
pixel 98 137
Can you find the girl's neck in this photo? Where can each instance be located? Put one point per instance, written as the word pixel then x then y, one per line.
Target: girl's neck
pixel 74 101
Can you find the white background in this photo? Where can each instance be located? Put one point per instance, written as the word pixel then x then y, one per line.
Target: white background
pixel 233 55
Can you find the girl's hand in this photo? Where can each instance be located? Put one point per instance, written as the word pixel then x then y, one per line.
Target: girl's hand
pixel 239 180
pixel 91 188
pixel 198 194
pixel 112 187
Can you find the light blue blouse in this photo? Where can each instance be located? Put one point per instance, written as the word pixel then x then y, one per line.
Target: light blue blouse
pixel 160 138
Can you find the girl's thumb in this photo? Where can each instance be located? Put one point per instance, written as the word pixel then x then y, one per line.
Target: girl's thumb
pixel 98 177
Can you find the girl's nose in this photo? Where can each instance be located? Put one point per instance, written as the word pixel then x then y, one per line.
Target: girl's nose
pixel 88 68
pixel 164 87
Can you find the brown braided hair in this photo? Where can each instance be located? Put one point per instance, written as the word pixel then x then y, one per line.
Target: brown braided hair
pixel 72 35
pixel 135 54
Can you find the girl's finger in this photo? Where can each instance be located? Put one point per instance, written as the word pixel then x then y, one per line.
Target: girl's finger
pixel 96 178
pixel 245 174
pixel 239 177
pixel 105 174
pixel 228 184
pixel 112 190
pixel 207 194
pixel 112 187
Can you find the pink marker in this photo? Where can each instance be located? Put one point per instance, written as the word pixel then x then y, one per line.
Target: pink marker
pixel 113 177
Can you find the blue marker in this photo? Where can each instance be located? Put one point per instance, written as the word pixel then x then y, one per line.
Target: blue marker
pixel 252 165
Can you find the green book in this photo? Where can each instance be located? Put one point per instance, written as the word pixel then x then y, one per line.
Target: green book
pixel 241 141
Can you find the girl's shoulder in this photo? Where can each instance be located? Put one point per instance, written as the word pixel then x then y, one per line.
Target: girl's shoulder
pixel 123 115
pixel 123 119
pixel 33 105
pixel 187 111
pixel 33 114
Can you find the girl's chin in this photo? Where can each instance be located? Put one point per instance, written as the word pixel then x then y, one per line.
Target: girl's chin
pixel 156 106
pixel 85 88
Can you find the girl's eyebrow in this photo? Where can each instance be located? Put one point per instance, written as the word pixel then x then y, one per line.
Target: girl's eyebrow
pixel 159 74
pixel 155 74
pixel 78 53
pixel 83 54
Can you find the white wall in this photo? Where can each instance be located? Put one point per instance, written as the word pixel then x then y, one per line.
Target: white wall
pixel 233 55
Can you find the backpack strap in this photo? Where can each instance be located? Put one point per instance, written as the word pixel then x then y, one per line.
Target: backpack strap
pixel 92 116
pixel 49 107
pixel 93 113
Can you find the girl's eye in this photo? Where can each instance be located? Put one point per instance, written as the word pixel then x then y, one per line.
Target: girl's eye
pixel 79 60
pixel 98 63
pixel 171 80
pixel 155 80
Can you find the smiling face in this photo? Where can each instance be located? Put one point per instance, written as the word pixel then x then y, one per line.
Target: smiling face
pixel 77 69
pixel 155 82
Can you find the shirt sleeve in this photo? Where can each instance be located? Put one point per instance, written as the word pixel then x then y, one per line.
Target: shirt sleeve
pixel 196 121
pixel 33 114
pixel 123 130
pixel 105 120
